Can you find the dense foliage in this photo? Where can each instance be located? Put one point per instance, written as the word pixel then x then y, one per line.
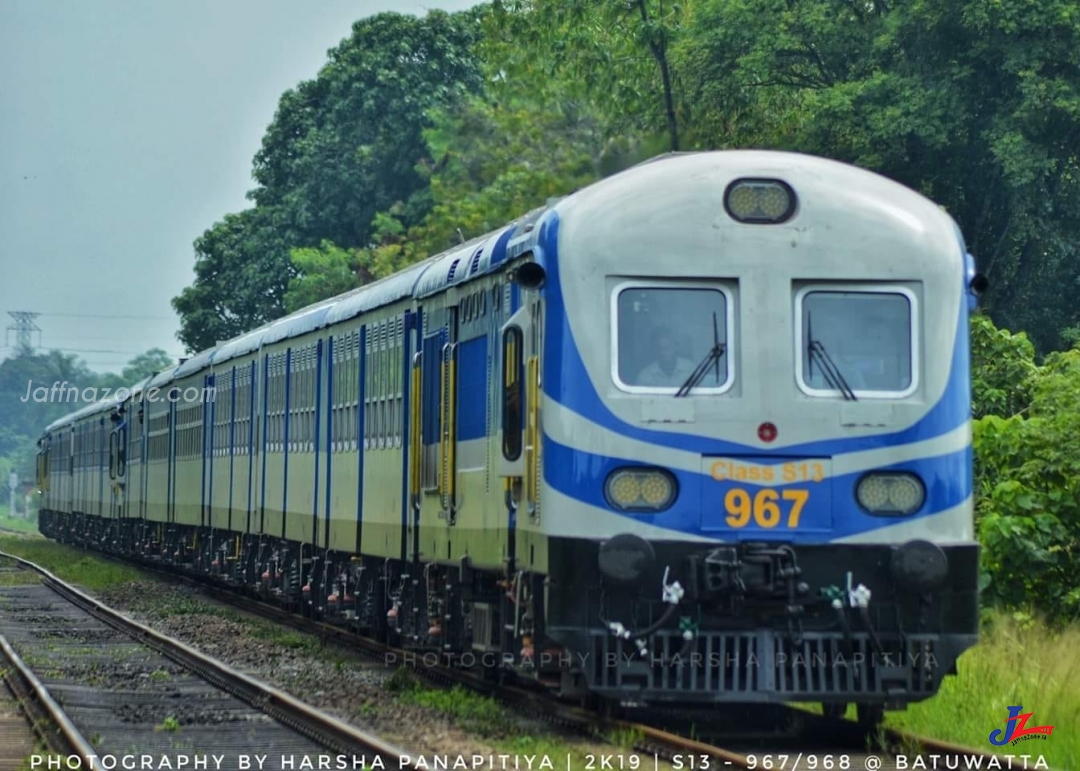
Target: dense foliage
pixel 1027 462
pixel 421 133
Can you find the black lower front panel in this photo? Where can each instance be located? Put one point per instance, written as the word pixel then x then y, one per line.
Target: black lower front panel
pixel 632 620
pixel 769 666
pixel 770 622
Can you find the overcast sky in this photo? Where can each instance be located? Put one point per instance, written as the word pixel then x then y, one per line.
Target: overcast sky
pixel 126 130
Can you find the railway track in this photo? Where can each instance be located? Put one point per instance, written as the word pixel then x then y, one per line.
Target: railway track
pixel 17 738
pixel 109 687
pixel 810 741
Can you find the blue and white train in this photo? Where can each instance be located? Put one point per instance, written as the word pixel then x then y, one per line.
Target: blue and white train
pixel 697 433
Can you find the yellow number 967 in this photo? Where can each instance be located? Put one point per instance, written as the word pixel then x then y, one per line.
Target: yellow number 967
pixel 764 508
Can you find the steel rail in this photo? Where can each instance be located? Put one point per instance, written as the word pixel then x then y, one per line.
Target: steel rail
pixel 282 707
pixel 47 718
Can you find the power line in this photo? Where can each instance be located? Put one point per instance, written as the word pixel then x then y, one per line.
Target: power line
pixel 95 350
pixel 107 316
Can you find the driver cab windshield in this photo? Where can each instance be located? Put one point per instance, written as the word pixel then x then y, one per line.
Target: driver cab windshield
pixel 867 337
pixel 664 333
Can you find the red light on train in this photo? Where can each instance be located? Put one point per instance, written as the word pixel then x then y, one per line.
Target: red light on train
pixel 766 432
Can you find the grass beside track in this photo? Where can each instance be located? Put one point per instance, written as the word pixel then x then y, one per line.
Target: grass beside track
pixel 70 564
pixel 1018 661
pixel 485 716
pixel 16 524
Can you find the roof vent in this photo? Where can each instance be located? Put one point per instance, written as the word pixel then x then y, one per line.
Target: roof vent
pixel 453 269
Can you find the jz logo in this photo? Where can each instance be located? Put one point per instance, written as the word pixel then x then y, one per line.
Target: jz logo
pixel 765 508
pixel 1015 729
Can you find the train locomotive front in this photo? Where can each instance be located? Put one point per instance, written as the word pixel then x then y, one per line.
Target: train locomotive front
pixel 757 462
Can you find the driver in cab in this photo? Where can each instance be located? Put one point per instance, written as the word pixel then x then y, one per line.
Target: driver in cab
pixel 668 370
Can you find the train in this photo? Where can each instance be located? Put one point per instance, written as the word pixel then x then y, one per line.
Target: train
pixel 697 434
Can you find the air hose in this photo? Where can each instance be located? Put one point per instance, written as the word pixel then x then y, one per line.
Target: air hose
pixel 672 595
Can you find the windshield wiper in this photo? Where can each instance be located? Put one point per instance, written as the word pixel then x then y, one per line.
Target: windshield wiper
pixel 712 358
pixel 828 366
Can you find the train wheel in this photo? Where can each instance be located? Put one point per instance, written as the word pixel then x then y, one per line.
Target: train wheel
pixel 834 710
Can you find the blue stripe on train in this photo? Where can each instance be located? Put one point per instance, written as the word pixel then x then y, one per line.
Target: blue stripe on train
pixel 699 509
pixel 567 382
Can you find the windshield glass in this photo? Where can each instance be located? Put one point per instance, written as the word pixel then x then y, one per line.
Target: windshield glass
pixel 866 334
pixel 662 333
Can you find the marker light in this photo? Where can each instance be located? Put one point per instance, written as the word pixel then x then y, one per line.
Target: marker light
pixel 760 201
pixel 897 494
pixel 640 489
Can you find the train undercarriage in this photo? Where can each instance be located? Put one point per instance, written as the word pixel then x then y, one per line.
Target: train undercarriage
pixel 744 624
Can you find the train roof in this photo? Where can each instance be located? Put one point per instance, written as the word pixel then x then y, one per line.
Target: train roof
pixel 378 293
pixel 430 276
pixel 110 401
pixel 199 361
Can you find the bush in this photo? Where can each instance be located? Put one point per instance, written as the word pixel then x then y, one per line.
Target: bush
pixel 1027 466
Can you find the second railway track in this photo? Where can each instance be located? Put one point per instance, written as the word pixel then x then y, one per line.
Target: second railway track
pixel 130 691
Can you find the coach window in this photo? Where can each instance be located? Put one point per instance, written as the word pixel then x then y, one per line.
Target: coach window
pixel 664 332
pixel 866 336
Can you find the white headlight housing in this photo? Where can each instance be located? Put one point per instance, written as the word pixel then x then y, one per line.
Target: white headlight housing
pixel 891 493
pixel 760 201
pixel 643 489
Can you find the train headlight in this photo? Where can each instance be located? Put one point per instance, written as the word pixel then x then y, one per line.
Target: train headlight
pixel 760 201
pixel 895 493
pixel 640 489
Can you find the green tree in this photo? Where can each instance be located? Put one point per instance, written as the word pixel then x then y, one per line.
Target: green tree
pixel 974 103
pixel 496 161
pixel 346 145
pixel 24 410
pixel 325 272
pixel 242 270
pixel 340 148
pixel 613 55
pixel 1028 505
pixel 1003 370
pixel 146 364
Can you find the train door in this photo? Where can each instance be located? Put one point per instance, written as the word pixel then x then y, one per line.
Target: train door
pixel 69 484
pixel 209 446
pixel 436 500
pixel 43 471
pixel 405 369
pixel 118 432
pixel 102 432
pixel 170 488
pixel 449 407
pixel 519 455
pixel 512 420
pixel 415 434
pixel 144 455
